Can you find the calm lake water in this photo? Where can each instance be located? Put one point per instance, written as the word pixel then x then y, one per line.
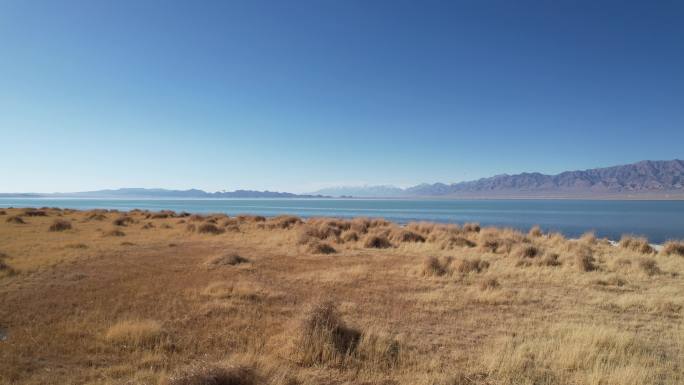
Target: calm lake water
pixel 658 220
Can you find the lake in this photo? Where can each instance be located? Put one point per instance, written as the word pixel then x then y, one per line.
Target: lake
pixel 658 220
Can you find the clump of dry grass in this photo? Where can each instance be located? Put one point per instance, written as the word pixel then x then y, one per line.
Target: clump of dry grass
pixel 147 226
pixel 162 214
pixel 134 333
pixel 229 259
pixel 377 241
pixel 196 218
pixel 433 266
pixel 236 290
pixel 585 261
pixel 60 225
pixel 209 228
pixel 471 227
pixel 318 247
pixel 191 228
pixel 673 248
pixel 535 232
pixel 34 213
pixel 15 219
pixel 550 259
pixel 283 222
pixel 404 235
pixel 323 338
pixel 528 251
pixel 453 242
pixel 350 236
pixel 649 266
pixel 114 233
pixel 3 212
pixel 123 220
pixel 589 237
pixel 202 374
pixel 638 244
pixel 472 265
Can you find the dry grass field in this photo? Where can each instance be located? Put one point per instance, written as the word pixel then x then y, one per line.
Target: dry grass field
pixel 103 297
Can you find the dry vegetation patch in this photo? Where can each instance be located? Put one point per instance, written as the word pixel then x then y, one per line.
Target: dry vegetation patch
pixel 673 248
pixel 578 354
pixel 229 259
pixel 15 219
pixel 377 242
pixel 209 228
pixel 638 244
pixel 135 333
pixel 60 225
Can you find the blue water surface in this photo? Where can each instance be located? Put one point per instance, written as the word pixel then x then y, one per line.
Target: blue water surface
pixel 657 220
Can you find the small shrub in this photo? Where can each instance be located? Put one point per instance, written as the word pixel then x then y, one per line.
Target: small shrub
pixel 60 225
pixel 377 242
pixel 471 265
pixel 147 226
pixel 321 248
pixel 209 228
pixel 649 266
pixel 638 244
pixel 135 333
pixel 673 247
pixel 3 212
pixel 196 218
pixel 114 233
pixel 15 219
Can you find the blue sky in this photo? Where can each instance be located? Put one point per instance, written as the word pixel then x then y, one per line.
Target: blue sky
pixel 299 95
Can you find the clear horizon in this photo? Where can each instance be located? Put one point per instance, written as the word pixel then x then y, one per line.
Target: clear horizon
pixel 263 95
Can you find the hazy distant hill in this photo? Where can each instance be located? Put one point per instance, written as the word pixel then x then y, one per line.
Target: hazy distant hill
pixel 646 178
pixel 144 193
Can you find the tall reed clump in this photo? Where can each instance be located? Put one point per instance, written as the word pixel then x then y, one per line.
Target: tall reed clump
pixel 638 244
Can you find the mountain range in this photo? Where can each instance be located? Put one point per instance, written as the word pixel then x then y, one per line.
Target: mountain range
pixel 656 179
pixel 645 179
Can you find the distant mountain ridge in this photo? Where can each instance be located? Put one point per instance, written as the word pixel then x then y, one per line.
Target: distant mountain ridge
pixel 158 193
pixel 645 178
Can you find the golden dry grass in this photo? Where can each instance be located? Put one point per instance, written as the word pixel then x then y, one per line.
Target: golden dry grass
pixel 258 305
